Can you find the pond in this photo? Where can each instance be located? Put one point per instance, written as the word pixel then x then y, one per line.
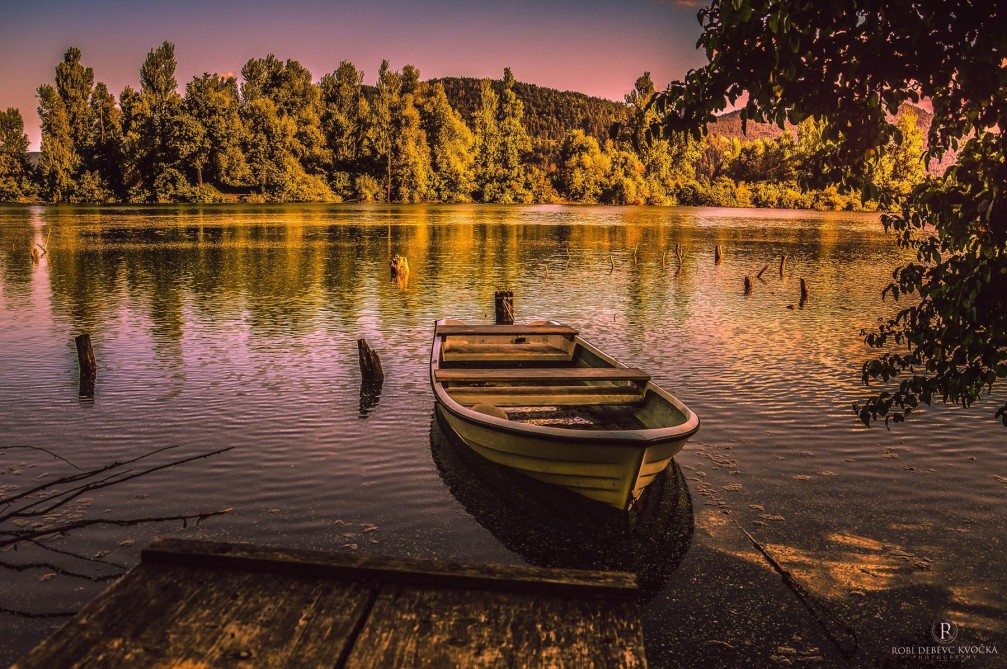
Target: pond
pixel 235 328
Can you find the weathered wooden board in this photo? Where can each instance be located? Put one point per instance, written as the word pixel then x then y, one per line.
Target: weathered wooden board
pixel 526 352
pixel 420 627
pixel 547 375
pixel 433 573
pixel 209 604
pixel 506 330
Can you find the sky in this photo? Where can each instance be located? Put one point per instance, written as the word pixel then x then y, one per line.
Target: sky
pixel 597 47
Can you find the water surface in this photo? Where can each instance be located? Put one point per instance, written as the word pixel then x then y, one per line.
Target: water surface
pixel 236 327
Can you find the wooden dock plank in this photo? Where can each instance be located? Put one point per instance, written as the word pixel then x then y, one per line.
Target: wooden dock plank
pixel 434 573
pixel 506 330
pixel 420 627
pixel 546 375
pixel 210 604
pixel 178 616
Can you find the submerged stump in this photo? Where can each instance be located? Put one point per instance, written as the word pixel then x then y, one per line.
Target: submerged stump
pixel 87 364
pixel 370 363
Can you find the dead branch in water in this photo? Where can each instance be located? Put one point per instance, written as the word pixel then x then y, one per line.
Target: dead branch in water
pixel 18 536
pixel 38 448
pixel 762 271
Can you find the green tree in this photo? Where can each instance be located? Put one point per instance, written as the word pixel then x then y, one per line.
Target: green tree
pixel 211 103
pixel 898 167
pixel 283 110
pixel 583 168
pixel 15 171
pixel 105 142
pixel 74 83
pixel 853 65
pixel 386 102
pixel 515 146
pixel 345 113
pixel 451 145
pixel 487 143
pixel 59 162
pixel 411 175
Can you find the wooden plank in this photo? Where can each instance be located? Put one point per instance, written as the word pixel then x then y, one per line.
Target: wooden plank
pixel 549 375
pixel 432 573
pixel 504 352
pixel 622 389
pixel 419 627
pixel 178 616
pixel 505 330
pixel 516 396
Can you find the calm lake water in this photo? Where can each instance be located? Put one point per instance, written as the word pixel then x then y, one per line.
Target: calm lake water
pixel 236 327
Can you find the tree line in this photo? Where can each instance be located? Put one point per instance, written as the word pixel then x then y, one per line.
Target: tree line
pixel 278 136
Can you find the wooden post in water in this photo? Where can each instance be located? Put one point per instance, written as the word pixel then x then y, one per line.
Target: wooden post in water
pixel 504 307
pixel 783 266
pixel 748 285
pixel 805 293
pixel 87 364
pixel 370 363
pixel 718 254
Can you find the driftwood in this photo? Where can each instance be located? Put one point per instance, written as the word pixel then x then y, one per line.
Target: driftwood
pixel 762 271
pixel 503 307
pixel 370 363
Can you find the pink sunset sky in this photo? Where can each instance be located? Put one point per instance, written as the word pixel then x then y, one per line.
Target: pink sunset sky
pixel 597 47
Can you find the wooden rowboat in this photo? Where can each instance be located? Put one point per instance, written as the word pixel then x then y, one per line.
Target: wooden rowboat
pixel 541 400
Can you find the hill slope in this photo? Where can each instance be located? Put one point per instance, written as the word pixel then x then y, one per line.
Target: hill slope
pixel 549 113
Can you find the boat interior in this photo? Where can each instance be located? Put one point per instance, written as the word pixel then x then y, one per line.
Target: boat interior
pixel 541 374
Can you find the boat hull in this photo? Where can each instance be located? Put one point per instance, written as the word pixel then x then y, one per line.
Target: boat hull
pixel 611 473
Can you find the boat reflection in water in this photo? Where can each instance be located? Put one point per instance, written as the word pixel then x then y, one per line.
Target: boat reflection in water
pixel 552 527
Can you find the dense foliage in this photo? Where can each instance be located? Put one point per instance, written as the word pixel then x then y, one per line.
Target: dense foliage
pixel 277 135
pixel 850 66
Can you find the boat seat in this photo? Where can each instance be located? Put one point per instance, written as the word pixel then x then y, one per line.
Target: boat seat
pixel 505 330
pixel 520 396
pixel 504 352
pixel 548 375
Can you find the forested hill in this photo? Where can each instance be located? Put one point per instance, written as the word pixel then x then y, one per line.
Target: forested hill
pixel 729 125
pixel 548 113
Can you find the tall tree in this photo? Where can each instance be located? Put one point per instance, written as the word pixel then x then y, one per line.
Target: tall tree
pixel 59 162
pixel 853 65
pixel 15 171
pixel 411 153
pixel 487 143
pixel 389 87
pixel 74 83
pixel 104 144
pixel 211 102
pixel 515 145
pixel 345 112
pixel 451 144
